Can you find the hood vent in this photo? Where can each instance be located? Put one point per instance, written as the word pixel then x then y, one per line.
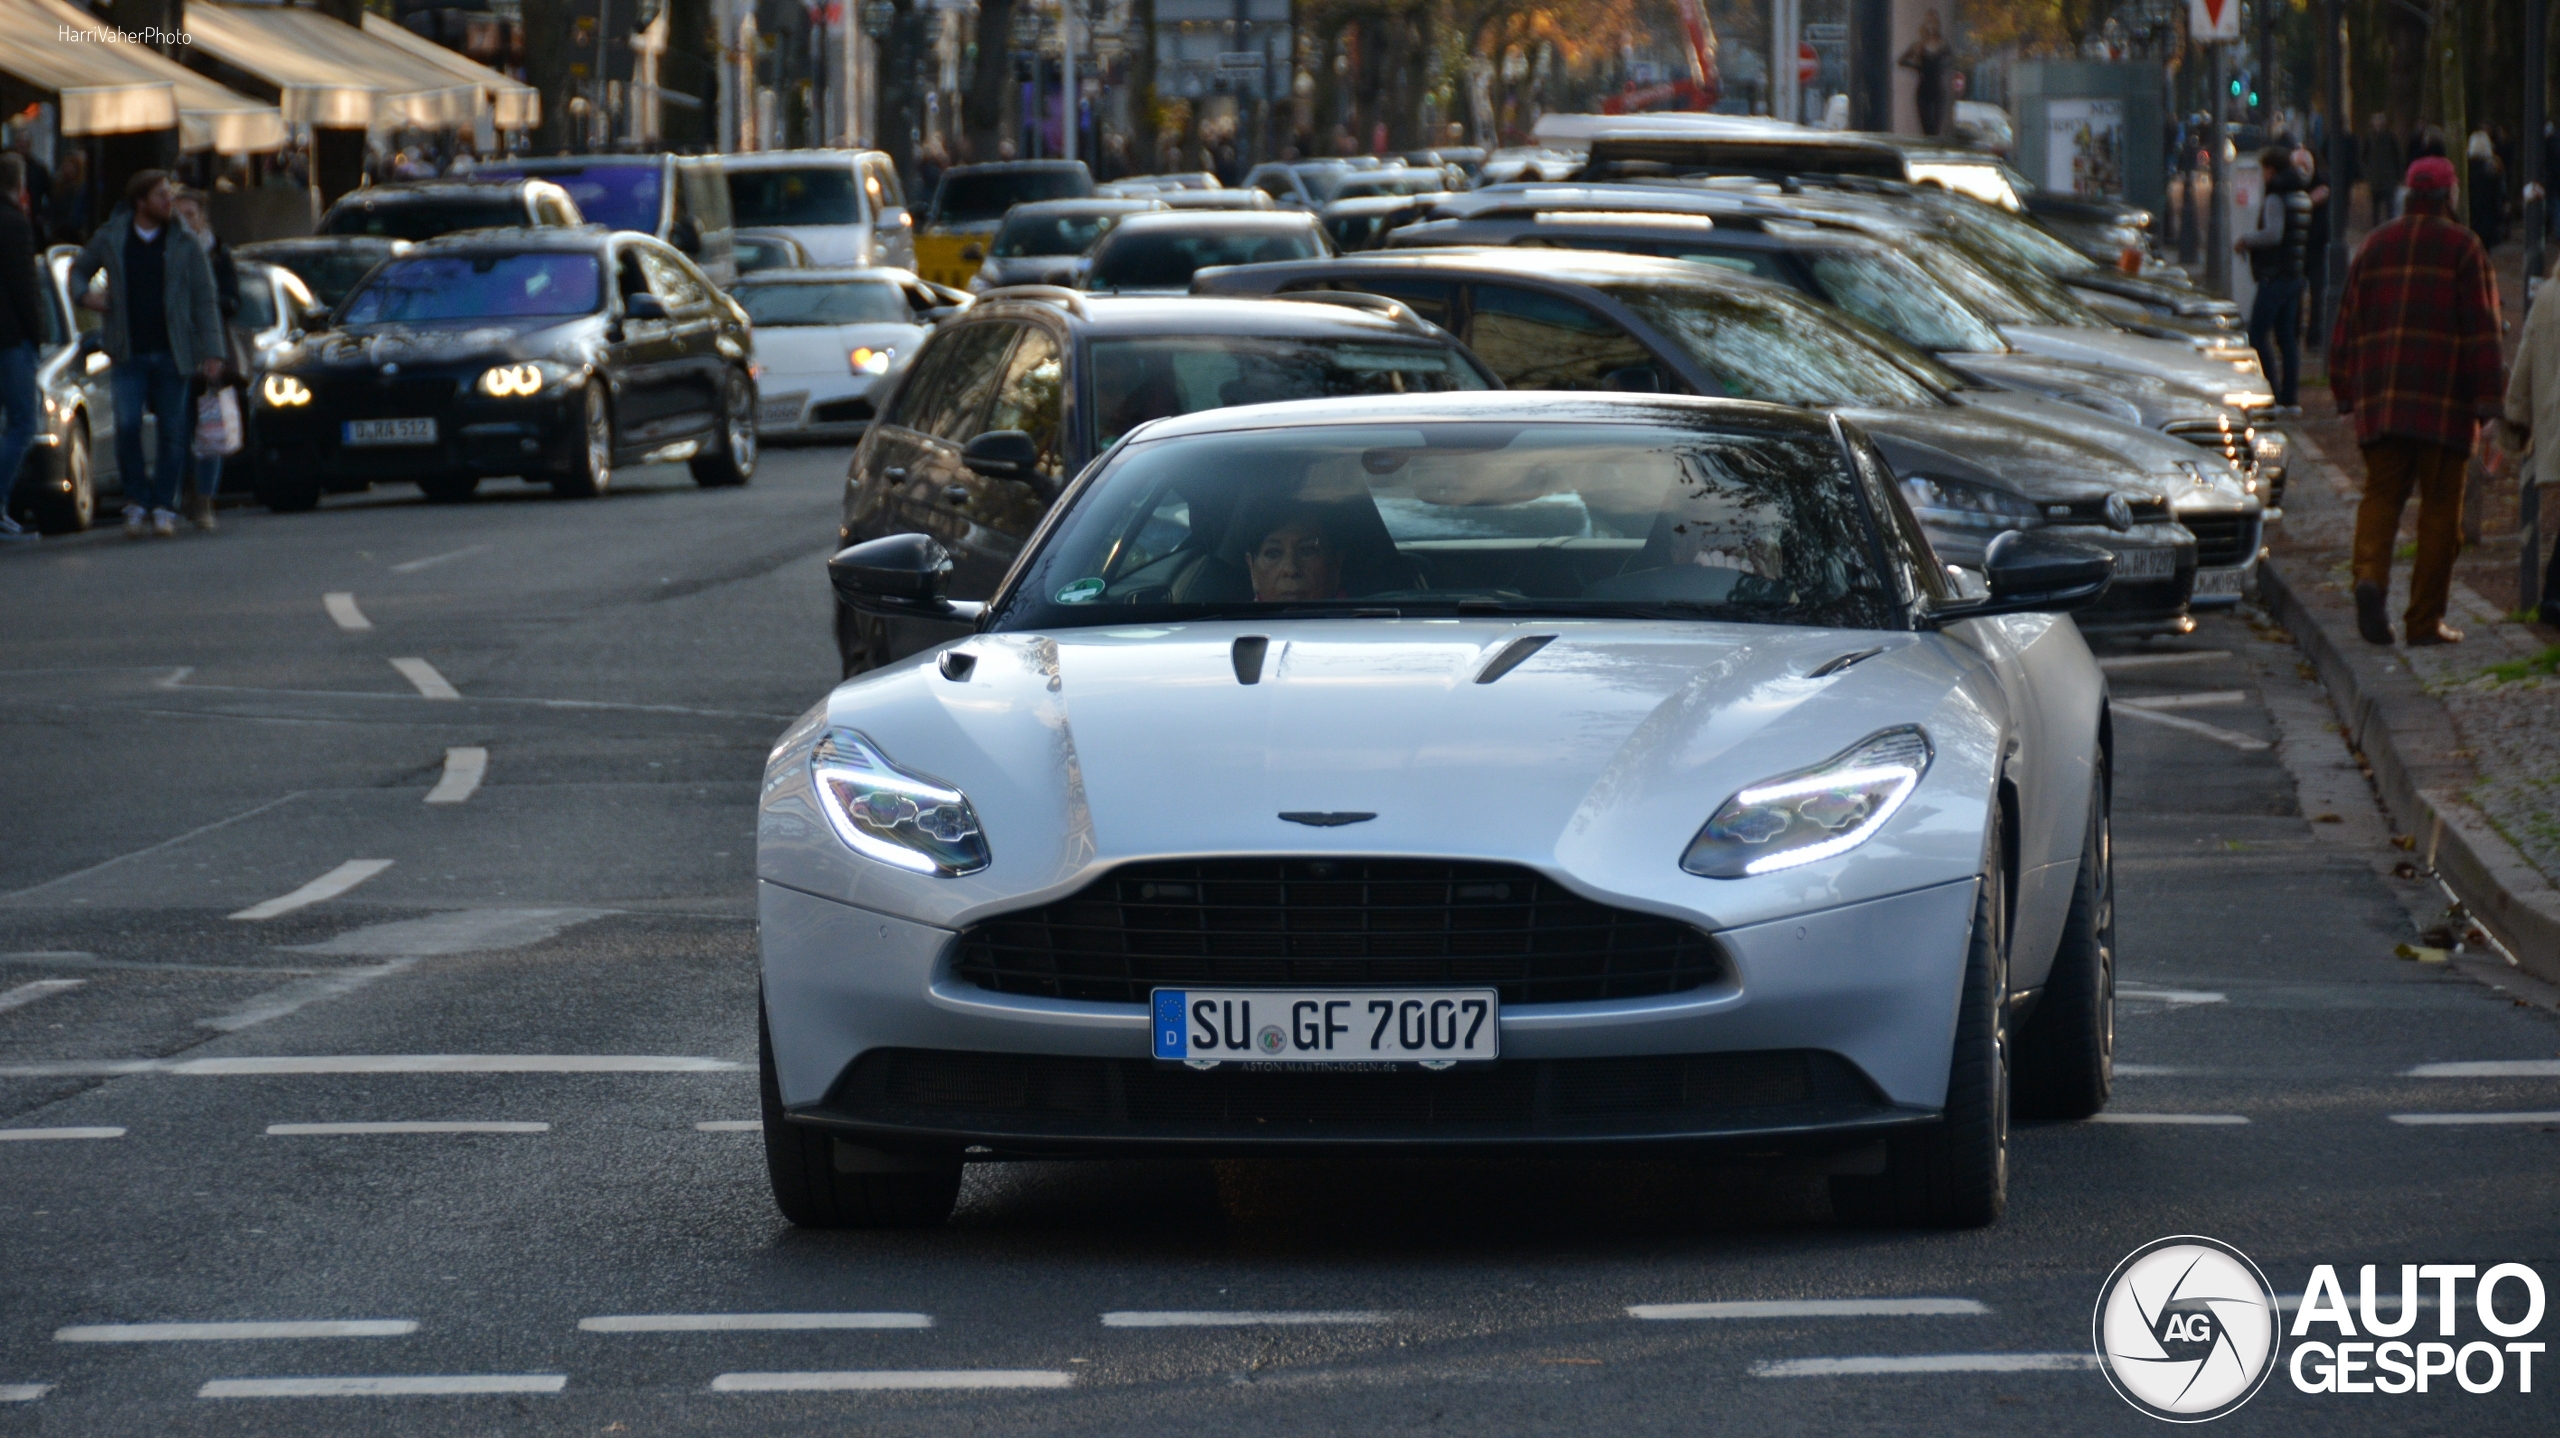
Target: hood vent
pixel 958 665
pixel 1248 652
pixel 1835 664
pixel 1512 655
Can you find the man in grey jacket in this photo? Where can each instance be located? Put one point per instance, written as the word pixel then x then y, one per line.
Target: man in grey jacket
pixel 164 325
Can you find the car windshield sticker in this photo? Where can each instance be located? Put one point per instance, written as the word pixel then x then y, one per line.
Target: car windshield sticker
pixel 1083 591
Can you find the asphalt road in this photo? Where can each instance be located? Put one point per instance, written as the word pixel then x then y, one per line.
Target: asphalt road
pixel 189 729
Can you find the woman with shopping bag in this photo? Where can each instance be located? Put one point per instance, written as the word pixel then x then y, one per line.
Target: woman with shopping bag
pixel 219 405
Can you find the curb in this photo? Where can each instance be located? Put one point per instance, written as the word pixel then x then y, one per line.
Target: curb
pixel 2407 739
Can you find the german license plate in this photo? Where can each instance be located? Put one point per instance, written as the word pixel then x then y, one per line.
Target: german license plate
pixel 2218 582
pixel 1320 1027
pixel 390 431
pixel 780 411
pixel 2146 563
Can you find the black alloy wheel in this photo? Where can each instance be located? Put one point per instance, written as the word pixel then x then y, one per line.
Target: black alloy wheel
pixel 2067 1047
pixel 70 505
pixel 593 471
pixel 819 1181
pixel 731 461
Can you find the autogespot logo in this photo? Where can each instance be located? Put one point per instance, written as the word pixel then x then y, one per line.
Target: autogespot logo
pixel 2186 1328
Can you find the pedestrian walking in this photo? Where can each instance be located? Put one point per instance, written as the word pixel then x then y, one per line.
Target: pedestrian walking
pixel 1931 94
pixel 204 470
pixel 2276 249
pixel 2414 359
pixel 164 324
pixel 21 325
pixel 2533 420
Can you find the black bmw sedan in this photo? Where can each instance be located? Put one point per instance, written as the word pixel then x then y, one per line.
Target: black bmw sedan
pixel 554 354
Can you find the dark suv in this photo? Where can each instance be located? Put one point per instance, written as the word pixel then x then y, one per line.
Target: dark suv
pixel 1003 406
pixel 424 209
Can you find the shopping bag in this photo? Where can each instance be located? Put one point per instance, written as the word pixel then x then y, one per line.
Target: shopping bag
pixel 218 428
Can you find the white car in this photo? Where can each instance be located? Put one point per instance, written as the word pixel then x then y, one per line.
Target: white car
pixel 1435 773
pixel 842 207
pixel 825 340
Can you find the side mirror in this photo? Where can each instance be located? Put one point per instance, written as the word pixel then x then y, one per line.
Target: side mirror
pixel 644 307
pixel 2034 572
pixel 94 342
pixel 1003 454
pixel 900 576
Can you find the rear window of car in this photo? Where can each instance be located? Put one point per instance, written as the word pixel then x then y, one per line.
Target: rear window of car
pixel 1166 259
pixel 851 302
pixel 1136 380
pixel 976 199
pixel 619 197
pixel 426 288
pixel 1024 236
pixel 815 195
pixel 399 218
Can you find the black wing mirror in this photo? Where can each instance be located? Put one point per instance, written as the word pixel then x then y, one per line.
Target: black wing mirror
pixel 644 307
pixel 2033 572
pixel 1003 454
pixel 900 576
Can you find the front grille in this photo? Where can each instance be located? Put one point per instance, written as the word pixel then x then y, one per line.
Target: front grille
pixel 841 411
pixel 1041 1093
pixel 2222 540
pixel 370 397
pixel 2221 437
pixel 2147 509
pixel 1268 923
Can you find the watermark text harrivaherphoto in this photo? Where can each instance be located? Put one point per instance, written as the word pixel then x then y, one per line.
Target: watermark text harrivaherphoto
pixel 151 35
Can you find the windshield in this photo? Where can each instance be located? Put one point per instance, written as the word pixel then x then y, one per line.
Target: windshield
pixel 1894 295
pixel 1050 233
pixel 619 197
pixel 1388 520
pixel 257 302
pixel 1165 259
pixel 1323 181
pixel 851 302
pixel 817 195
pixel 1408 182
pixel 2017 238
pixel 1138 380
pixel 1770 345
pixel 423 289
pixel 2052 301
pixel 977 199
pixel 329 273
pixel 423 219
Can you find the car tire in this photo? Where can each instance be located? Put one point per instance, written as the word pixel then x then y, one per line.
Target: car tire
pixel 731 461
pixel 810 1187
pixel 591 473
pixel 1955 1173
pixel 284 491
pixel 72 509
pixel 862 640
pixel 2067 1046
pixel 449 488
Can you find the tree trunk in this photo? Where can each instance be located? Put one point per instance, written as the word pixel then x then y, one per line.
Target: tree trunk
pixel 982 112
pixel 1142 87
pixel 689 68
pixel 546 69
pixel 905 52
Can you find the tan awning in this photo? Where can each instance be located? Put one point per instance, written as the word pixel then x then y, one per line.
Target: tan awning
pixel 513 104
pixel 109 87
pixel 327 72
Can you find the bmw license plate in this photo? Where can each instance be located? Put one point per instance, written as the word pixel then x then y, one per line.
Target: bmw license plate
pixel 2211 582
pixel 780 411
pixel 2146 563
pixel 390 431
pixel 1327 1027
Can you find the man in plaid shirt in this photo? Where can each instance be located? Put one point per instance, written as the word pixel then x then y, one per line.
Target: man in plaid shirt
pixel 2415 360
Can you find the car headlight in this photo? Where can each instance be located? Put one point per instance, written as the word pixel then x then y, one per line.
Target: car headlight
pixel 283 391
pixel 886 813
pixel 865 360
pixel 1814 813
pixel 1956 504
pixel 512 381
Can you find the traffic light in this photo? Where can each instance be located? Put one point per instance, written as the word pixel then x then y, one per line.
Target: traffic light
pixel 2239 83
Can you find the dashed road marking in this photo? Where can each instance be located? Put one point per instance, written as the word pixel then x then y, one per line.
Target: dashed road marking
pixel 2210 699
pixel 875 1380
pixel 337 1130
pixel 235 1332
pixel 2214 732
pixel 459 931
pixel 2489 1068
pixel 463 769
pixel 34 1135
pixel 23 1392
pixel 2430 1120
pixel 2171 996
pixel 2154 661
pixel 328 886
pixel 342 608
pixel 1195 1318
pixel 25 994
pixel 1812 1308
pixel 731 1125
pixel 376 1064
pixel 2152 1071
pixel 748 1322
pixel 385 1386
pixel 430 684
pixel 278 1002
pixel 414 565
pixel 2168 1118
pixel 1924 1363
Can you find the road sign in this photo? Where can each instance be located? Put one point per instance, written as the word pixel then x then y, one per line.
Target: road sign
pixel 2213 19
pixel 1808 63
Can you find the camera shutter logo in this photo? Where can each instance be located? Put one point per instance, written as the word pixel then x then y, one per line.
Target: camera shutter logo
pixel 2186 1329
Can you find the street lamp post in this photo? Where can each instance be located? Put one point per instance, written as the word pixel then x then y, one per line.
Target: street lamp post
pixel 1067 78
pixel 2536 213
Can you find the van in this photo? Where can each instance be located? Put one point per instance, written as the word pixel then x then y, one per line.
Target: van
pixel 843 207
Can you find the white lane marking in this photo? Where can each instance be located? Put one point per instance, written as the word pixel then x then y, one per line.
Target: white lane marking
pixel 2214 732
pixel 198 831
pixel 377 1064
pixel 2151 1071
pixel 463 768
pixel 414 565
pixel 1812 1308
pixel 2154 661
pixel 174 677
pixel 33 1135
pixel 328 886
pixel 1181 1318
pixel 599 704
pixel 278 1002
pixel 2209 700
pixel 335 1130
pixel 731 1125
pixel 430 684
pixel 881 1379
pixel 2167 1118
pixel 25 994
pixel 235 1332
pixel 23 1392
pixel 342 608
pixel 2489 1068
pixel 384 1387
pixel 1924 1363
pixel 462 931
pixel 2431 1119
pixel 2171 996
pixel 747 1322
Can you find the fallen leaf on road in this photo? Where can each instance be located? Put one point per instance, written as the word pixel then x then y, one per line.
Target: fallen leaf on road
pixel 2422 953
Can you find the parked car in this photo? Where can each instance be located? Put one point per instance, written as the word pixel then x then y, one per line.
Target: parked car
pixel 1156 254
pixel 682 200
pixel 826 341
pixel 1006 403
pixel 1445 773
pixel 1433 181
pixel 1299 184
pixel 553 354
pixel 1366 222
pixel 844 207
pixel 767 250
pixel 424 209
pixel 328 265
pixel 1047 242
pixel 969 205
pixel 1214 200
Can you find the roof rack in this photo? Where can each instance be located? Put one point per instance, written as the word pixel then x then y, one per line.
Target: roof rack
pixel 1397 311
pixel 1072 301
